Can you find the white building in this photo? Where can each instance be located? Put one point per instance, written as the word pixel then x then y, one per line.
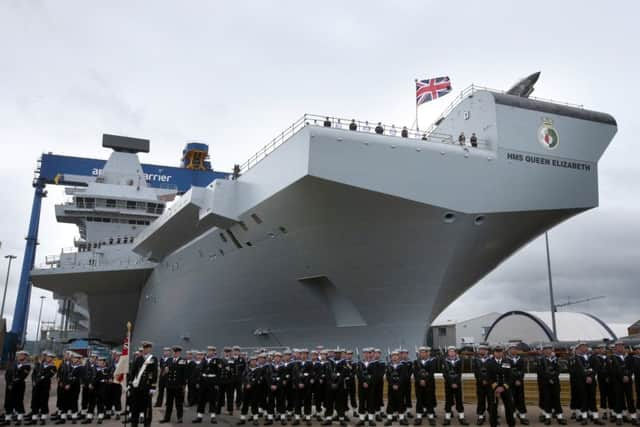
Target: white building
pixel 536 327
pixel 460 333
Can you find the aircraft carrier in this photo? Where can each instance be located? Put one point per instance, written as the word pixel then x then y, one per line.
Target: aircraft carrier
pixel 329 235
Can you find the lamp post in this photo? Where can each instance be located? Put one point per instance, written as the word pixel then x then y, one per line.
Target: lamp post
pixel 6 283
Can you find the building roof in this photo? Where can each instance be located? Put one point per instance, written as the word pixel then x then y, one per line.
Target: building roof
pixel 536 326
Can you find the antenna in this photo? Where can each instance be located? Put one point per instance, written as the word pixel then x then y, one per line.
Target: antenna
pixel 578 301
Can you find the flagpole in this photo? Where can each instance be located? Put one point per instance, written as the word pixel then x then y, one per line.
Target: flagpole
pixel 417 127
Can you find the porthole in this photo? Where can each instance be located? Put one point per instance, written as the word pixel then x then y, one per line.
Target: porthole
pixel 449 217
pixel 479 220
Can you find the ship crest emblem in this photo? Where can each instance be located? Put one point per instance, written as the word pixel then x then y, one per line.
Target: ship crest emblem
pixel 548 135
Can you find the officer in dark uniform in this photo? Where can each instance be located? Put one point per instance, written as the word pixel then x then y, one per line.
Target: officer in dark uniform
pixel 71 382
pixel 114 404
pixel 621 382
pixel 452 373
pixel 396 375
pixel 483 386
pixel 226 379
pixel 500 371
pixel 142 384
pixel 162 379
pixel 424 369
pixel 290 392
pixel 366 390
pixel 548 371
pixel 210 376
pixel 252 379
pixel 379 368
pixel 584 378
pixel 599 361
pixel 517 383
pixel 304 380
pixel 274 379
pixel 15 376
pixel 176 383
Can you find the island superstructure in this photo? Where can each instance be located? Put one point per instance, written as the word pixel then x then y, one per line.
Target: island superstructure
pixel 347 237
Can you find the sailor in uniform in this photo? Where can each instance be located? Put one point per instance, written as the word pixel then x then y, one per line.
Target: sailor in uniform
pixel 142 385
pixel 240 367
pixel 61 394
pixel 338 375
pixel 634 362
pixel 318 357
pixel 517 385
pixel 191 387
pixel 71 381
pixel 599 363
pixel 252 380
pixel 194 376
pixel 424 369
pixel 305 380
pixel 15 377
pixel 548 371
pixel 500 373
pixel 209 385
pixel 176 382
pixel 366 391
pixel 88 394
pixel 396 376
pixel 162 379
pixel 584 377
pixel 379 368
pixel 483 387
pixel 352 384
pixel 406 382
pixel 621 382
pixel 274 378
pixel 101 383
pixel 41 377
pixel 452 373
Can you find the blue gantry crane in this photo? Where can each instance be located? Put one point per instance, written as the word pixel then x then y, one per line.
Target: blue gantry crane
pixel 195 170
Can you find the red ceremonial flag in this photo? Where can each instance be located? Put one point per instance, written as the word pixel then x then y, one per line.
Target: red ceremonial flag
pixel 122 368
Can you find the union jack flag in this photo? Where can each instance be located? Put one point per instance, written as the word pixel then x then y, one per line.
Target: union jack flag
pixel 430 89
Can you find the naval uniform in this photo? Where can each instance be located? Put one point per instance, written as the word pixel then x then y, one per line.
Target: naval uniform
pixel 320 374
pixel 162 380
pixel 71 381
pixel 500 373
pixel 452 373
pixel 210 375
pixel 176 382
pixel 41 377
pixel 239 366
pixel 88 394
pixel 252 381
pixel 142 384
pixel 517 387
pixel 483 386
pixel 396 377
pixel 379 368
pixel 15 376
pixel 425 385
pixel 548 371
pixel 366 390
pixel 601 366
pixel 584 378
pixel 304 380
pixel 634 362
pixel 620 370
pixel 274 379
pixel 338 374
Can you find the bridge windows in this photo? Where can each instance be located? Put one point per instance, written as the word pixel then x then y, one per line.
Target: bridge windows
pixel 111 203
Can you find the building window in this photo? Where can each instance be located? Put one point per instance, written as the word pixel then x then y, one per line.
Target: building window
pixel 442 332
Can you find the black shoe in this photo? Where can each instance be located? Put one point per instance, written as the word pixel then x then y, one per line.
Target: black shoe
pixel 404 422
pixel 99 421
pixel 42 422
pixel 584 422
pixel 360 423
pixel 479 421
pixel 446 422
pixel 387 423
pixel 283 421
pixel 618 421
pixel 295 422
pixel 326 423
pixel 179 421
pixel 343 423
pixel 372 423
pixel 60 421
pixel 463 422
pixel 164 421
pixel 432 421
pixel 197 420
pixel 213 420
pixel 598 422
pixel 409 415
pixel 268 422
pixel 18 423
pixel 524 421
pixel 562 421
pixel 256 422
pixel 241 422
pixel 74 420
pixel 86 421
pixel 634 421
pixel 547 421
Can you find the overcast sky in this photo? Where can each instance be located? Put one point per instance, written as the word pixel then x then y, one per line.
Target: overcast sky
pixel 234 74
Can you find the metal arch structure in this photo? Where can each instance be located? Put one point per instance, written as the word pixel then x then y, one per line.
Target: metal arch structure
pixel 51 170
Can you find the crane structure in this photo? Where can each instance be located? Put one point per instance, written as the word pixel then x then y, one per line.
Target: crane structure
pixel 53 169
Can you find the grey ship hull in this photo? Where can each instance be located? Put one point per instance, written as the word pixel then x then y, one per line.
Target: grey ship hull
pixel 351 238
